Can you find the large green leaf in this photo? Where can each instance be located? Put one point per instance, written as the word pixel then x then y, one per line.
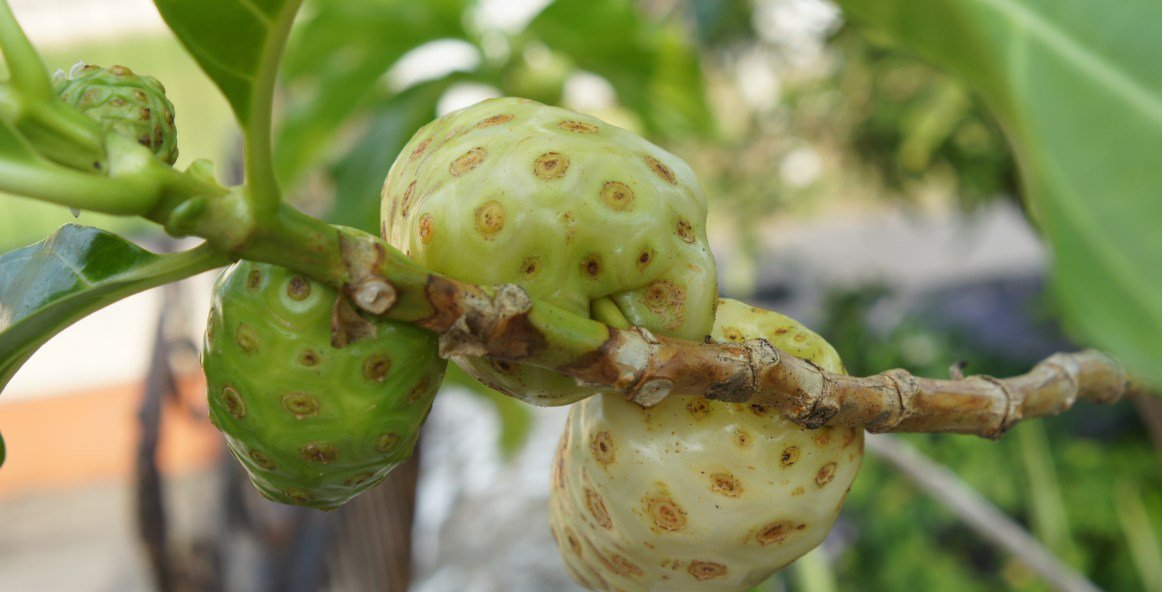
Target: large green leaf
pixel 50 285
pixel 339 55
pixel 652 66
pixel 1077 86
pixel 236 42
pixel 239 44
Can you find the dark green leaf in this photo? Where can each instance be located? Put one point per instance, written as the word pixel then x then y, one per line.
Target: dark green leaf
pixel 360 174
pixel 337 58
pixel 652 66
pixel 236 42
pixel 1078 89
pixel 48 286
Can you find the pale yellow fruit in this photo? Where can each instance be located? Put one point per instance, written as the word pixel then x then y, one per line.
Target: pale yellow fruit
pixel 695 494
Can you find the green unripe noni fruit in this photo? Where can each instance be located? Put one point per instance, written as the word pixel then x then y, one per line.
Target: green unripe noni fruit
pixel 313 425
pixel 694 494
pixel 134 106
pixel 571 208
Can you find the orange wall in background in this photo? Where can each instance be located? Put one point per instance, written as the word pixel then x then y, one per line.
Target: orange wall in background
pixel 78 438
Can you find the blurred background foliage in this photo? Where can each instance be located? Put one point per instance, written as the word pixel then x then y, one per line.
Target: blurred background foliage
pixel 786 112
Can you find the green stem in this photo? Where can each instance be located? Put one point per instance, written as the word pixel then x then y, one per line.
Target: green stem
pixel 24 64
pixel 264 192
pixel 119 196
pixel 604 310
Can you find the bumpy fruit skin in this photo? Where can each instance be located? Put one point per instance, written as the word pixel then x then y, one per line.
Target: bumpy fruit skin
pixel 125 103
pixel 312 424
pixel 565 205
pixel 695 494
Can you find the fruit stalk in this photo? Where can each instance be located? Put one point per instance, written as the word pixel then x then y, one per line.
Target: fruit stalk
pixel 504 323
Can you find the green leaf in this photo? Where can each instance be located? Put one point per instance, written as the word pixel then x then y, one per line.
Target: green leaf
pixel 1078 90
pixel 50 285
pixel 654 70
pixel 239 43
pixel 360 174
pixel 336 60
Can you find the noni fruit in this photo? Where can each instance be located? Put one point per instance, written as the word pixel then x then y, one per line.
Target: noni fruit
pixel 694 494
pixel 571 208
pixel 125 103
pixel 313 425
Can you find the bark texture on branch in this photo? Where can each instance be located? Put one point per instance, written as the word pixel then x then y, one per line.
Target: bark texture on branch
pixel 504 323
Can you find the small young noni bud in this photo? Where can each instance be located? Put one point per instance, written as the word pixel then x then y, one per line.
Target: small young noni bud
pixel 125 103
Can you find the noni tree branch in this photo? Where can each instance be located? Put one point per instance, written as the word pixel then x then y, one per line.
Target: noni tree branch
pixel 504 323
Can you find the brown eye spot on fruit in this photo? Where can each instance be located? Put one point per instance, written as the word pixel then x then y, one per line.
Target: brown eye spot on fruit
pixel 665 298
pixel 530 266
pixel 308 358
pixel 706 570
pixel 733 335
pixel 698 407
pixel 232 401
pixel 577 126
pixel 359 478
pixel 591 266
pixel 298 288
pixel 387 442
pixel 825 475
pixel 665 513
pixel 596 506
pixel 419 391
pixel 467 161
pixel 300 405
pixel 550 166
pixel 725 484
pixel 262 460
pixel 406 202
pixel 420 148
pixel 490 218
pixel 759 409
pixel 503 366
pixel 823 438
pixel 495 120
pixel 296 494
pixel 376 367
pixel 253 279
pixel 625 567
pixel 661 170
pixel 776 532
pixel 789 457
pixel 601 444
pixel 686 231
pixel 644 259
pixel 427 232
pixel 617 195
pixel 319 452
pixel 742 438
pixel 246 338
pixel 571 540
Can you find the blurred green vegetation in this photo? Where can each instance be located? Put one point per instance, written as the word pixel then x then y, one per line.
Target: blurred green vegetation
pixel 1069 479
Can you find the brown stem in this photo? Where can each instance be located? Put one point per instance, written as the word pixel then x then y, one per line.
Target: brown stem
pixel 503 322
